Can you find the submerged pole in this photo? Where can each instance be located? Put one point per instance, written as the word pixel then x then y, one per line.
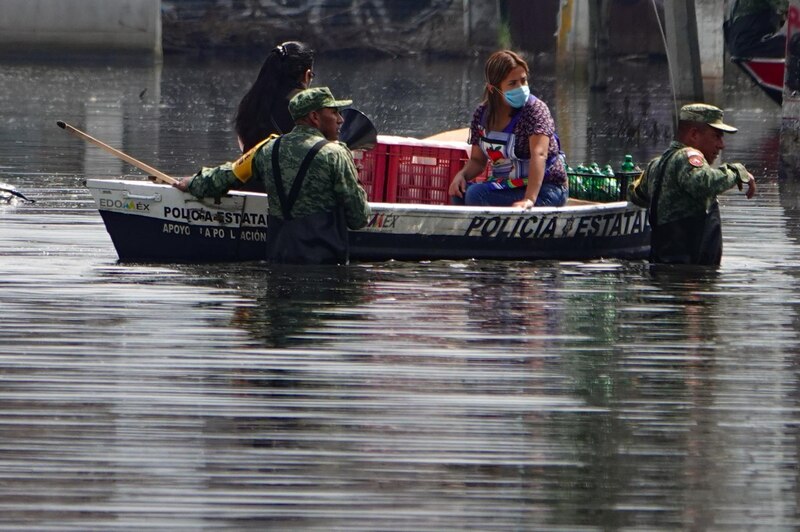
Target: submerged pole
pixel 598 35
pixel 790 124
pixel 683 49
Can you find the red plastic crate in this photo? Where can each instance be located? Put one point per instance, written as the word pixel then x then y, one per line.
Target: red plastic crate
pixel 422 174
pixel 371 166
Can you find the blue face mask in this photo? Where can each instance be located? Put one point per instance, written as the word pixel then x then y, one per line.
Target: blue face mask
pixel 516 98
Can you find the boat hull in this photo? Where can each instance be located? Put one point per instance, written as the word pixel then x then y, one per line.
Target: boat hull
pixel 152 222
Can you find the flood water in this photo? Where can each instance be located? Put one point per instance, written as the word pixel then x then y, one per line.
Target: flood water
pixel 471 395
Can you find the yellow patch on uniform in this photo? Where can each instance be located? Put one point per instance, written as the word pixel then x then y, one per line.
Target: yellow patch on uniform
pixel 243 166
pixel 696 158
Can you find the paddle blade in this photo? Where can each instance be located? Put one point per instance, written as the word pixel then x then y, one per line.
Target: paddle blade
pixel 357 131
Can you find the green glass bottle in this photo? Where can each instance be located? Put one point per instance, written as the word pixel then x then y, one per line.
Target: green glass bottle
pixel 627 164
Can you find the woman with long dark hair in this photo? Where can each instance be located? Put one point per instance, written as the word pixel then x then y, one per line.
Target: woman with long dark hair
pixel 263 111
pixel 514 132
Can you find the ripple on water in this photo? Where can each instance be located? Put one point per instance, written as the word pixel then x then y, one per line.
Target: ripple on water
pixel 389 396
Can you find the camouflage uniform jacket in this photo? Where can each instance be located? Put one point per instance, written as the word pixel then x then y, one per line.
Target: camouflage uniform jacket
pixel 332 178
pixel 687 189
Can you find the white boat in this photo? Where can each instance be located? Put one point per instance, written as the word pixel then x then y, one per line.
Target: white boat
pixel 155 222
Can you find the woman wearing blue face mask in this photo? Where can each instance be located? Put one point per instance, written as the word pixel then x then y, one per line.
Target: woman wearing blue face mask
pixel 514 132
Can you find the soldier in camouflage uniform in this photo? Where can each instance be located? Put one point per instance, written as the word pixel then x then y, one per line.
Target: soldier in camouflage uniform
pixel 331 179
pixel 753 28
pixel 680 188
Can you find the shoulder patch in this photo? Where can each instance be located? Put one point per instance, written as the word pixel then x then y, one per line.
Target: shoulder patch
pixel 695 157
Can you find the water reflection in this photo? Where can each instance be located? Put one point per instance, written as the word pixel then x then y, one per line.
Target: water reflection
pixel 387 396
pixel 291 304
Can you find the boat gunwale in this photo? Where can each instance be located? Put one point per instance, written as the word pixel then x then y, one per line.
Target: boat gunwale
pixel 97 183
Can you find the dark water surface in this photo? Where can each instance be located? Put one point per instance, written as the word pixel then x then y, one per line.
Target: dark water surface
pixel 389 396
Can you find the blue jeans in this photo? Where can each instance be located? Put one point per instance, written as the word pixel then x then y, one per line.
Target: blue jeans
pixel 484 195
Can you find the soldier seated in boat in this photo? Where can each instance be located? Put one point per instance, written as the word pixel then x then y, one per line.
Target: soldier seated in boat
pixel 308 174
pixel 514 132
pixel 680 188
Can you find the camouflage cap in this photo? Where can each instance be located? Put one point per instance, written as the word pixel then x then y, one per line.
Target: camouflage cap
pixel 706 114
pixel 309 100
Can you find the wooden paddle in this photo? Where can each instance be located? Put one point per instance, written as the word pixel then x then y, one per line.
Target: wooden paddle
pixel 160 176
